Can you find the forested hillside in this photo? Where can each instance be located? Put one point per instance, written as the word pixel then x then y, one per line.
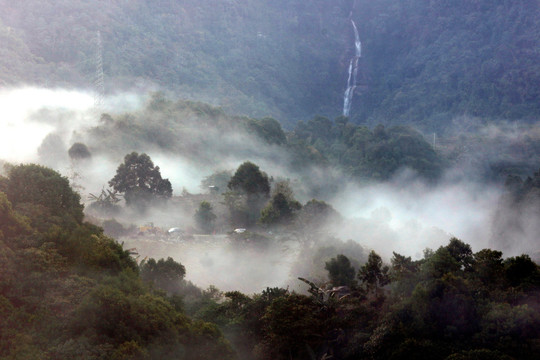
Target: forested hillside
pixel 260 58
pixel 221 157
pixel 208 136
pixel 423 61
pixel 68 291
pixel 430 60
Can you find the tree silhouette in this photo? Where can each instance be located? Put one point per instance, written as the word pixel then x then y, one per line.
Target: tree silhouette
pixel 340 271
pixel 140 181
pixel 373 274
pixel 205 217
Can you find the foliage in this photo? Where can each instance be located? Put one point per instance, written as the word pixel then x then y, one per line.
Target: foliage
pixel 113 228
pixel 68 291
pixel 373 275
pixel 105 203
pixel 268 129
pixel 140 181
pixel 79 151
pixel 44 197
pixel 317 214
pixel 292 325
pixel 72 292
pixel 370 154
pixel 277 211
pixel 452 61
pixel 340 271
pixel 205 136
pixel 513 224
pixel 256 58
pixel 166 275
pixel 205 217
pixel 282 207
pixel 250 180
pixel 11 223
pixel 423 62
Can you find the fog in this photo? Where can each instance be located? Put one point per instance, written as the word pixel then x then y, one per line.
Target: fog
pixel 24 125
pixel 408 216
pixel 404 215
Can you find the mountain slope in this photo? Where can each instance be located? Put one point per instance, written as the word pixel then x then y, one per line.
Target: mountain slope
pixel 423 61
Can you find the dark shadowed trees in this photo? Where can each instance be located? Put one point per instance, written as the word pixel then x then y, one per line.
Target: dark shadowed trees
pixel 282 208
pixel 43 195
pixel 249 179
pixel 340 271
pixel 373 275
pixel 140 181
pixel 250 189
pixel 79 151
pixel 205 217
pixel 166 275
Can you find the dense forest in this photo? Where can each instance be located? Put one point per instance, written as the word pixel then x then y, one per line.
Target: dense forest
pixel 69 291
pixel 423 62
pixel 192 130
pixel 215 202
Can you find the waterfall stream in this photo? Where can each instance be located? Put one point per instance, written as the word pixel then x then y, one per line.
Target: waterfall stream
pixel 353 72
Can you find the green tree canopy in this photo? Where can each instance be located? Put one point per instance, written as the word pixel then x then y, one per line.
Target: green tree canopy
pixel 216 181
pixel 373 274
pixel 249 179
pixel 11 223
pixel 316 213
pixel 34 189
pixel 268 129
pixel 140 181
pixel 340 271
pixel 250 189
pixel 205 217
pixel 282 208
pixel 277 211
pixel 79 151
pixel 166 275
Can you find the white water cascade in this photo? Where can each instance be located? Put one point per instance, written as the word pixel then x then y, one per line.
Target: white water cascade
pixel 353 71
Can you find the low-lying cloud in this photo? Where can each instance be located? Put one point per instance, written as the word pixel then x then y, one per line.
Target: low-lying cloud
pixel 404 215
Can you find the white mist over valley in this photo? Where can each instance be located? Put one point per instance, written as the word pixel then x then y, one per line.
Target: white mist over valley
pixel 404 214
pixel 269 180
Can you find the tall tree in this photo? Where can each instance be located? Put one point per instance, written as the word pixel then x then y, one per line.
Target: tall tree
pixel 282 208
pixel 249 179
pixel 250 183
pixel 373 274
pixel 140 181
pixel 340 271
pixel 277 211
pixel 205 217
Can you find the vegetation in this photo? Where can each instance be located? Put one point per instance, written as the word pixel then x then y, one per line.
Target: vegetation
pixel 370 154
pixel 68 291
pixel 140 181
pixel 205 134
pixel 79 151
pixel 205 217
pixel 457 68
pixel 423 62
pixel 452 304
pixel 523 196
pixel 249 180
pixel 249 190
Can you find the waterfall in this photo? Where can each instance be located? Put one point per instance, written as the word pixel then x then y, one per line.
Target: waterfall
pixel 353 72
